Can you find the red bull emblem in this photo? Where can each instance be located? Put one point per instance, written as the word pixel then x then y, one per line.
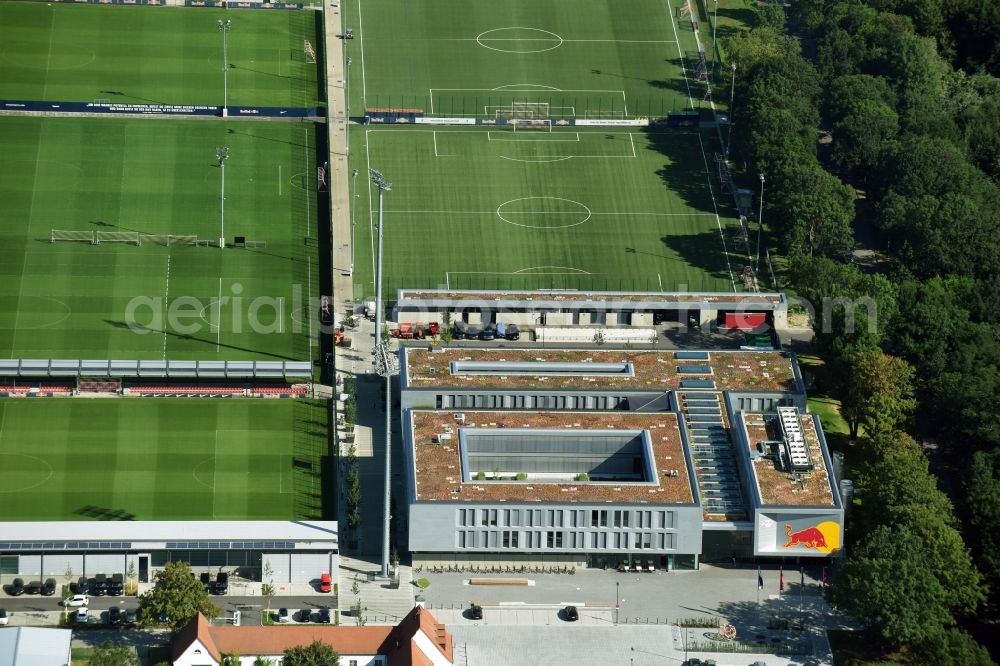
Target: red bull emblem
pixel 824 537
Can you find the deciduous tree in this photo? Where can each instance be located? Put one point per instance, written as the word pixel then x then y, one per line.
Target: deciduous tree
pixel 315 654
pixel 177 597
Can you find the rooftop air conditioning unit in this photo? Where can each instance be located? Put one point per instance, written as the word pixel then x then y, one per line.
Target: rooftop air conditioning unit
pixel 460 417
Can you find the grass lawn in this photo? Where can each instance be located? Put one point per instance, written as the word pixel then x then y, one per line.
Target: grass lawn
pixel 601 57
pixel 76 299
pixel 155 55
pixel 161 459
pixel 606 209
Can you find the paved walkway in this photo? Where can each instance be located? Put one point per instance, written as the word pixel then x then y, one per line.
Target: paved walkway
pixel 339 176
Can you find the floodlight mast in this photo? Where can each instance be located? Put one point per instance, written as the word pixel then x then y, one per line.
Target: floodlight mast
pixel 760 224
pixel 383 366
pixel 222 154
pixel 224 29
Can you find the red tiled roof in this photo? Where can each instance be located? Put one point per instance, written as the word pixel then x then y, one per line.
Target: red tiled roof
pixel 196 629
pixel 399 647
pixel 395 642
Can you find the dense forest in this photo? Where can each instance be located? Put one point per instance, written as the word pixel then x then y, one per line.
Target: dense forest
pixel 884 116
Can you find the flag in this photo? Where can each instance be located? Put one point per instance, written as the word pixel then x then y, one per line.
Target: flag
pixel 760 580
pixel 781 579
pixel 824 576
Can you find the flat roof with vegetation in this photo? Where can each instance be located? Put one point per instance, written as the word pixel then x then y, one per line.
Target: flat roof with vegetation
pixel 442 472
pixel 779 487
pixel 594 370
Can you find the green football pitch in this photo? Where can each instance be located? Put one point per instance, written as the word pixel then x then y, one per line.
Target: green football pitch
pixel 123 178
pixel 591 59
pixel 498 209
pixel 163 459
pixel 161 55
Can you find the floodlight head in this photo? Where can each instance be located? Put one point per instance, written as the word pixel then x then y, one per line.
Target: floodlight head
pixel 224 25
pixel 348 62
pixel 221 153
pixel 761 179
pixel 355 173
pixel 379 180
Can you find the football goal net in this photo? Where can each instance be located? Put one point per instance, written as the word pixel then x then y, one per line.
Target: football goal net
pixel 310 52
pixel 529 124
pixel 130 237
pixel 79 236
pixel 519 110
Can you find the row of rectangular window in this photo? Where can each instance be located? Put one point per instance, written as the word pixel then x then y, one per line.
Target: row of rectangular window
pixel 501 401
pixel 564 540
pixel 640 519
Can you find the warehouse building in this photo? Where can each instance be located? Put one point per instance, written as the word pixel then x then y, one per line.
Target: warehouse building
pixel 623 458
pixel 297 552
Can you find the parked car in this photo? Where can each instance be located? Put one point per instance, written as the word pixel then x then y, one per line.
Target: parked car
pixel 82 615
pixel 206 580
pixel 488 333
pixel 4 617
pixel 131 615
pixel 34 587
pixel 325 582
pixel 76 600
pixel 114 616
pixel 571 614
pixel 49 589
pixel 476 612
pixel 99 585
pixel 17 587
pixel 324 615
pixel 221 583
pixel 82 586
pixel 283 616
pixel 116 586
pixel 305 616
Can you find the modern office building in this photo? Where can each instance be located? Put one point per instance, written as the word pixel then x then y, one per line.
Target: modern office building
pixel 597 457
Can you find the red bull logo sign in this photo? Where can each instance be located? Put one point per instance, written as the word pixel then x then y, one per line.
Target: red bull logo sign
pixel 824 537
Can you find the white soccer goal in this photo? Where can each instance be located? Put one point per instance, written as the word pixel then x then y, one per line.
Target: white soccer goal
pixel 309 51
pixel 168 239
pixel 535 124
pixel 79 236
pixel 131 237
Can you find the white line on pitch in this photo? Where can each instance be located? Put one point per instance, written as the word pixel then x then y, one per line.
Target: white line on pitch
pixel 722 235
pixel 632 141
pixel 279 180
pixel 681 56
pixel 218 327
pixel 361 45
pixel 660 281
pixel 166 304
pixel 535 212
pixel 371 219
pixel 309 281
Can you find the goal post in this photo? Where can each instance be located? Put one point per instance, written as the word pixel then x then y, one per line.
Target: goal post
pixel 79 236
pixel 532 124
pixel 310 52
pixel 131 237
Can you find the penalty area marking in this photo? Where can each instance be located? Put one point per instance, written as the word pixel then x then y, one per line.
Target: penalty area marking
pixel 534 271
pixel 534 89
pixel 489 137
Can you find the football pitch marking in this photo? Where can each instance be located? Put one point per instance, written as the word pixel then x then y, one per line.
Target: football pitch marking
pixel 534 89
pixel 547 37
pixel 29 485
pixel 701 145
pixel 364 84
pixel 502 136
pixel 194 473
pixel 586 210
pixel 566 270
pixel 166 303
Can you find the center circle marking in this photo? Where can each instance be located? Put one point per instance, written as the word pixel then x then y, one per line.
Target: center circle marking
pixel 492 36
pixel 35 471
pixel 584 212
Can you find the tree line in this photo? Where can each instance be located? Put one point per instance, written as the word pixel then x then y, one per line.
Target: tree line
pixel 885 114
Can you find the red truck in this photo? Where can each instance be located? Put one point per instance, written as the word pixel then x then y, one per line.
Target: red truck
pixel 417 331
